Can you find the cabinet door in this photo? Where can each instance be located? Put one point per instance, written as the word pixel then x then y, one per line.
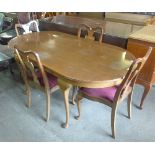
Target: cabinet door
pixel 138 49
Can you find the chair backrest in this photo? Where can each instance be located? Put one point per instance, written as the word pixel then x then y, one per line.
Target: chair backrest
pixel 31 67
pixel 131 76
pixel 87 31
pixel 29 27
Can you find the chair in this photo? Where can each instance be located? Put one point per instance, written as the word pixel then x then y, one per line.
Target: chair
pixel 34 73
pixel 89 32
pixel 112 96
pixel 27 21
pixel 28 28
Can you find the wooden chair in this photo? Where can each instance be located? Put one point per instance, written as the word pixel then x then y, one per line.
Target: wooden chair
pixel 89 32
pixel 112 96
pixel 28 28
pixel 34 74
pixel 43 15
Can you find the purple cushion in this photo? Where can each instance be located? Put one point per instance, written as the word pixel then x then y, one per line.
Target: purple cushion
pixel 52 80
pixel 107 93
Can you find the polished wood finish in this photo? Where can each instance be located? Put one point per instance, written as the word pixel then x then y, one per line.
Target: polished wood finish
pixel 77 61
pixel 138 44
pixel 125 89
pixel 80 58
pixel 28 71
pixel 70 25
pixel 90 32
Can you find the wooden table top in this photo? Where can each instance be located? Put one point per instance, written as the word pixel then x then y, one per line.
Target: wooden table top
pixel 80 61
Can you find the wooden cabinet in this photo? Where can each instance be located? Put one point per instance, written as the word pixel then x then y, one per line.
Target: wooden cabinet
pixel 138 44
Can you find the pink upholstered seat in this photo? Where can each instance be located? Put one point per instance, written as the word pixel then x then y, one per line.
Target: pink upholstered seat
pixel 107 93
pixel 34 71
pixel 52 80
pixel 112 96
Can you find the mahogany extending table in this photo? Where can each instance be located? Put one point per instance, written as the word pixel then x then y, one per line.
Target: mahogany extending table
pixel 76 61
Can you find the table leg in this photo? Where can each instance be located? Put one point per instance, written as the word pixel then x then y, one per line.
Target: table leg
pixel 65 88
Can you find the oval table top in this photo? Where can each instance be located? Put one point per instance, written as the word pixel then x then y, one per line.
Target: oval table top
pixel 79 61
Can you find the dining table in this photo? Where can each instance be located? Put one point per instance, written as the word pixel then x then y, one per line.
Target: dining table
pixel 76 61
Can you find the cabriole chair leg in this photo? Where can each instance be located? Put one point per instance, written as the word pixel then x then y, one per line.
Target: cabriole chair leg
pixel 113 115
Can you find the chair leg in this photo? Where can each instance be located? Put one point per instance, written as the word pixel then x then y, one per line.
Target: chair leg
pixel 66 97
pixel 113 114
pixel 28 91
pixel 129 104
pixel 74 93
pixel 48 104
pixel 79 98
pixel 146 91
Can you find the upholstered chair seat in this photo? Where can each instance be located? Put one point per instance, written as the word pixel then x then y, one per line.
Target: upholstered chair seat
pixel 88 31
pixel 113 96
pixel 34 74
pixel 101 93
pixel 52 80
pixel 107 93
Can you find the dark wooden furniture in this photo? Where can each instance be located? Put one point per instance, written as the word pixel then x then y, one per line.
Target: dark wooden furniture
pixel 84 62
pixel 138 44
pixel 70 25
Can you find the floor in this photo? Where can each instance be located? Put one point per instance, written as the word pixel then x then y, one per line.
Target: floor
pixel 19 123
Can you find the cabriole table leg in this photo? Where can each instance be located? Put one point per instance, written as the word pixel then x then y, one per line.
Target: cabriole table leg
pixel 65 88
